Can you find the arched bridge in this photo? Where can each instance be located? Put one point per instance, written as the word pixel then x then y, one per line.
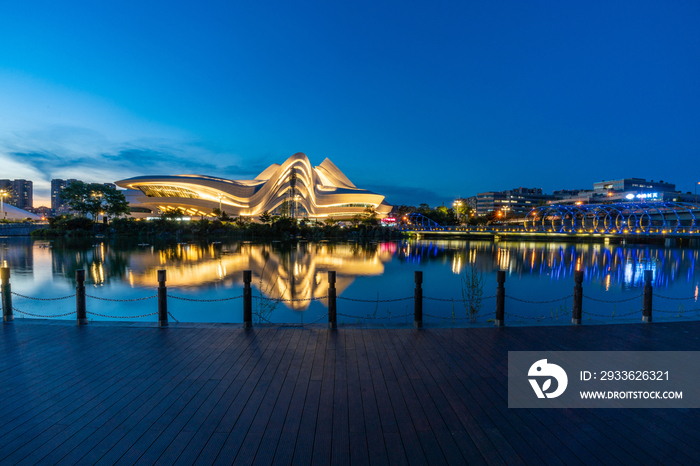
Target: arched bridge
pixel 616 219
pixel 677 219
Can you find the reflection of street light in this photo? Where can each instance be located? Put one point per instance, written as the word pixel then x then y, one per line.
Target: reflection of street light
pixel 3 193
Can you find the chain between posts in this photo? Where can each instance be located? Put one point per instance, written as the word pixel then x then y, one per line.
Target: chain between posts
pixel 122 317
pixel 120 300
pixel 539 302
pixel 203 300
pixel 448 300
pixel 614 301
pixel 46 317
pixel 678 312
pixel 289 300
pixel 611 316
pixel 43 299
pixel 674 299
pixel 375 300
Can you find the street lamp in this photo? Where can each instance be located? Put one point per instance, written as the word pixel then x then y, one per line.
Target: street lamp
pixel 96 195
pixel 456 205
pixel 696 191
pixel 3 193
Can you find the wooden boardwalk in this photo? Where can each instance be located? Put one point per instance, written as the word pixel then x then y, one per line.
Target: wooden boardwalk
pixel 124 394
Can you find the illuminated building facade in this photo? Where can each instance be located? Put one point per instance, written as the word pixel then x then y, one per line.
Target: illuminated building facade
pixel 515 201
pixel 622 190
pixel 21 193
pixel 295 186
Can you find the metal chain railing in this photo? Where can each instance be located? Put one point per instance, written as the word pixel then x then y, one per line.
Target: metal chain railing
pixel 610 316
pixel 614 301
pixel 122 317
pixel 679 312
pixel 182 298
pixel 375 300
pixel 121 300
pixel 43 316
pixel 674 299
pixel 539 302
pixel 453 299
pixel 43 299
pixel 290 300
pixel 173 317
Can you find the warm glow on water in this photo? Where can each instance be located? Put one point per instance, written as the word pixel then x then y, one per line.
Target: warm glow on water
pixel 371 271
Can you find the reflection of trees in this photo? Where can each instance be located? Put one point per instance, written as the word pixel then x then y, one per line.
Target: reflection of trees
pixel 101 260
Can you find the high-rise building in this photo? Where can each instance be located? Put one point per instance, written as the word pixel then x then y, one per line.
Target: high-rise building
pixel 20 193
pixel 57 186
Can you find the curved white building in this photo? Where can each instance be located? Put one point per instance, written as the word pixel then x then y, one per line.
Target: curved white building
pixel 315 192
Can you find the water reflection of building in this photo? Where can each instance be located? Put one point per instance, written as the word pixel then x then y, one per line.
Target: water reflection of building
pixel 609 265
pixel 299 271
pixel 17 253
pixel 288 272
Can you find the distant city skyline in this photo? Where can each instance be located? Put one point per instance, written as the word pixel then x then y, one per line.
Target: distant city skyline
pixel 422 103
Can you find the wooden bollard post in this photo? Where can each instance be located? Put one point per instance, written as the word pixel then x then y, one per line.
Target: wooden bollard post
pixel 500 298
pixel 80 307
pixel 646 312
pixel 332 310
pixel 7 315
pixel 578 298
pixel 247 299
pixel 162 300
pixel 418 301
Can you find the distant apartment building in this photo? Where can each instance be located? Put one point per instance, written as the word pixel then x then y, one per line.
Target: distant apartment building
pixel 634 184
pixel 518 201
pixel 20 193
pixel 58 205
pixel 42 211
pixel 622 190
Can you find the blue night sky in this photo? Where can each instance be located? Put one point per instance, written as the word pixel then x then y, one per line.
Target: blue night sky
pixel 420 101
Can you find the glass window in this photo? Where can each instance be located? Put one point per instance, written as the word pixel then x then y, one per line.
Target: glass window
pixel 167 191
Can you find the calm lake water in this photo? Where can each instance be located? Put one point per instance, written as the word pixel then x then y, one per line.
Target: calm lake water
pixel 124 269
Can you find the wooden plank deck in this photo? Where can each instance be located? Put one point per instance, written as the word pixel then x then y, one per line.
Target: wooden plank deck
pixel 127 394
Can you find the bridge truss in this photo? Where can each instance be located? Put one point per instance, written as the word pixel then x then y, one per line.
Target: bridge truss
pixel 419 222
pixel 622 218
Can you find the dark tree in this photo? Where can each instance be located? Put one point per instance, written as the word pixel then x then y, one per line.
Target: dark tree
pixel 92 199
